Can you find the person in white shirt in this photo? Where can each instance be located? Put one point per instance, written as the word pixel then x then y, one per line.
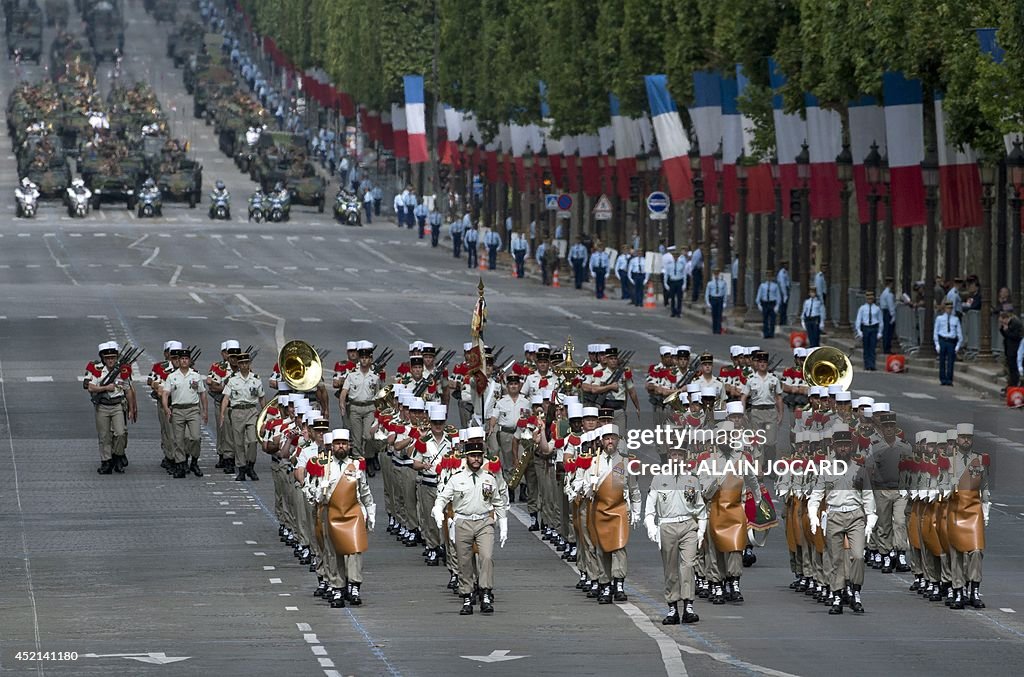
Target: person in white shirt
pixel 868 328
pixel 638 275
pixel 782 277
pixel 715 298
pixel 813 318
pixel 668 257
pixel 887 302
pixel 948 336
pixel 674 273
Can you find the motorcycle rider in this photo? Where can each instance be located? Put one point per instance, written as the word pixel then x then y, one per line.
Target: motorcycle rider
pixel 77 190
pixel 27 188
pixel 252 136
pixel 256 201
pixel 219 192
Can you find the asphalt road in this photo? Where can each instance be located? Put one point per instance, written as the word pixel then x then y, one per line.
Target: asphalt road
pixel 145 565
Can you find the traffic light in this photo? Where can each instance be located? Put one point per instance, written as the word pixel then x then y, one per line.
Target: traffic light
pixel 698 192
pixel 794 205
pixel 634 188
pixel 546 181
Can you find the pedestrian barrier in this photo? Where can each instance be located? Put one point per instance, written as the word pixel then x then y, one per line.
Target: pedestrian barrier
pixel 896 364
pixel 908 327
pixel 649 301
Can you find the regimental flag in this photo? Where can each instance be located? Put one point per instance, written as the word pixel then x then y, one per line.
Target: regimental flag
pixel 415 113
pixel 401 136
pixel 825 142
pixel 959 178
pixel 867 126
pixel 790 133
pixel 904 129
pixel 760 194
pixel 673 143
pixel 706 114
pixel 476 358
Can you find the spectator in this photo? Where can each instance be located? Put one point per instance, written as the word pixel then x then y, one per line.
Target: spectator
pixel 973 301
pixel 1003 302
pixel 1012 330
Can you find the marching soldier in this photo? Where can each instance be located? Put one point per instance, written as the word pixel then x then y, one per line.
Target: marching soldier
pixel 479 504
pixel 505 416
pixel 614 508
pixel 357 406
pixel 793 383
pixel 430 449
pixel 705 379
pixel 615 383
pixel 184 403
pixel 967 518
pixel 242 400
pixel 157 376
pixel 111 401
pixel 405 437
pixel 215 381
pixel 678 506
pixel 850 509
pixel 350 514
pixel 886 458
pixel 762 398
pixel 661 382
pixel 457 385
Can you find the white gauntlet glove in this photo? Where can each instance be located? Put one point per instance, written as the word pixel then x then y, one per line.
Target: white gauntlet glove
pixel 984 511
pixel 438 517
pixel 502 531
pixel 653 532
pixel 371 519
pixel 813 519
pixel 871 519
pixel 702 526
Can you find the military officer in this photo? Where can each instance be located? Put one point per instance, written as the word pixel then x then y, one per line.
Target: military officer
pixel 470 238
pixel 599 269
pixel 242 401
pixel 762 399
pixel 813 318
pixel 676 518
pixel 357 406
pixel 184 403
pixel 479 505
pixel 430 449
pixel 492 241
pixel 111 400
pixel 967 518
pixel 769 299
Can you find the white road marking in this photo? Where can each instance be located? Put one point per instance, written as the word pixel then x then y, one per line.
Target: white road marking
pixel 241 237
pixel 177 274
pixel 1007 610
pixel 46 317
pixel 291 608
pixel 196 317
pixel 279 326
pixel 198 265
pixel 870 393
pixel 359 320
pixel 386 259
pixel 99 234
pixel 39 379
pixel 310 319
pixel 274 581
pixel 321 269
pixel 96 317
pixel 918 396
pixel 303 627
pixel 310 638
pixel 237 523
pixel 269 568
pixel 79 235
pixel 325 662
pixel 259 554
pixel 196 297
pixel 267 237
pixel 147 317
pixel 230 267
pixel 319 651
pixel 24 234
pixel 230 512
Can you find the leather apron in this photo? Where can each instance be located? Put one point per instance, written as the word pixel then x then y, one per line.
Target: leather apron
pixel 345 518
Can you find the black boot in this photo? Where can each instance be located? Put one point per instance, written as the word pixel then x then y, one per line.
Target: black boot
pixel 916 584
pixel 976 595
pixel 856 605
pixel 703 589
pixel 561 545
pixel 605 597
pixel 321 588
pixel 749 558
pixel 453 582
pixel 166 464
pixel 252 472
pixel 314 564
pixel 620 590
pixel 534 526
pixel 837 606
pixel 467 606
pixel 220 461
pixel 240 477
pixel 106 468
pixel 887 563
pixel 179 471
pixel 353 594
pixel 338 600
pixel 717 594
pixel 522 493
pixel 672 617
pixel 948 599
pixel 737 596
pixel 803 585
pixel 936 593
pixel 119 464
pixel 902 565
pixel 958 599
pixel 486 602
pixel 434 558
pixel 688 615
pixel 796 582
pixel 194 467
pixel 573 553
pixel 582 583
pixel 229 466
pixel 593 590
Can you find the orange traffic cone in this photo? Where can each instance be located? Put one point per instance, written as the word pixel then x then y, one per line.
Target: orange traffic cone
pixel 649 301
pixel 483 262
pixel 554 279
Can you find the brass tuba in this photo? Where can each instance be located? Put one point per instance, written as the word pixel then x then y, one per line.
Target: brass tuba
pixel 827 366
pixel 261 420
pixel 300 366
pixel 676 403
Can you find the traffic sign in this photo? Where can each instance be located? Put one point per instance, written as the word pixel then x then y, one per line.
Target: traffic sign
pixel 564 202
pixel 603 209
pixel 657 202
pixel 550 201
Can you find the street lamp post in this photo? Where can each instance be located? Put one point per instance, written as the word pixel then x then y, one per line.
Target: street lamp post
pixel 775 223
pixel 844 163
pixel 698 196
pixel 989 175
pixel 724 253
pixel 930 173
pixel 803 273
pixel 1015 167
pixel 869 238
pixel 741 237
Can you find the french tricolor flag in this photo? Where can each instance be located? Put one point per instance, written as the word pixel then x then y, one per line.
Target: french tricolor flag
pixel 589 147
pixel 760 196
pixel 627 145
pixel 398 124
pixel 706 114
pixel 825 142
pixel 570 149
pixel 415 119
pixel 673 144
pixel 453 122
pixel 959 178
pixel 387 132
pixel 867 126
pixel 904 129
pixel 790 133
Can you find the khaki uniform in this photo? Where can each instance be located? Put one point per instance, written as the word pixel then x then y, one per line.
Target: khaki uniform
pixel 360 390
pixel 508 412
pixel 219 374
pixel 156 379
pixel 970 493
pixel 848 502
pixel 183 396
pixel 430 451
pixel 761 392
pixel 479 501
pixel 612 563
pixel 884 465
pixel 342 569
pixel 243 394
pixel 678 507
pixel 110 410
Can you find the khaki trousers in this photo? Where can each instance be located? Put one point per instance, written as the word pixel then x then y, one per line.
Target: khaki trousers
pixel 550 503
pixel 726 564
pixel 185 426
pixel 612 564
pixel 465 412
pixel 480 532
pixel 412 518
pixel 282 507
pixel 333 566
pixel 225 447
pixel 508 459
pixel 166 436
pixel 851 525
pixel 242 423
pixel 965 566
pixel 354 567
pixel 425 495
pixel 360 420
pixel 586 553
pixel 891 531
pixel 109 428
pixel 679 557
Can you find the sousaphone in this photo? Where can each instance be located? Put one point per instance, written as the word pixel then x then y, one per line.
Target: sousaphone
pixel 300 366
pixel 826 366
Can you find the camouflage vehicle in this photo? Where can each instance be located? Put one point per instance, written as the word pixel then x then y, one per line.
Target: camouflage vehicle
pixel 56 13
pixel 215 84
pixel 281 157
pixel 53 180
pixel 25 32
pixel 179 178
pixel 184 42
pixel 41 158
pixel 72 58
pixel 113 180
pixel 104 28
pixel 307 188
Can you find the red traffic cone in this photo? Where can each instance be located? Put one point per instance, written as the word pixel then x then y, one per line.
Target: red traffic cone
pixel 554 279
pixel 649 301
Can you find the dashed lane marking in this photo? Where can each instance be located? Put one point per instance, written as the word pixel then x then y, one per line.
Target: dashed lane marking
pixel 274 581
pixel 919 396
pixel 1007 610
pixel 310 319
pixel 39 379
pixel 46 317
pixel 291 608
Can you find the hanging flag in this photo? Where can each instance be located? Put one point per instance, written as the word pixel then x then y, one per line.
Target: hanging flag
pixel 441 125
pixel 570 149
pixel 673 144
pixel 626 135
pixel 453 122
pixel 825 142
pixel 415 119
pixel 959 178
pixel 867 126
pixel 401 134
pixel 790 134
pixel 589 147
pixel 387 132
pixel 706 114
pixel 760 193
pixel 904 129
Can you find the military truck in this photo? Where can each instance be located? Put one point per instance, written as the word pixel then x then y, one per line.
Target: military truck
pixel 179 177
pixel 25 31
pixel 104 28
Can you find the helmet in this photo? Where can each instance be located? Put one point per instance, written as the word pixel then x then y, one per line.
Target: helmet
pixel 150 183
pixel 278 187
pixel 78 183
pixel 220 185
pixel 26 182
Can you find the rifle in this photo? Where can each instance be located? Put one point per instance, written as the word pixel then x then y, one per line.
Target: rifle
pixel 691 371
pixel 381 361
pixel 616 375
pixel 193 354
pixel 439 367
pixel 127 356
pixel 498 353
pixel 775 365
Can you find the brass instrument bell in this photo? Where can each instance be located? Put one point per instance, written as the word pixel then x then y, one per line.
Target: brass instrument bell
pixel 300 366
pixel 826 366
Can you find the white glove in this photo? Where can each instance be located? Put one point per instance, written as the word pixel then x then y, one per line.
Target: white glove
pixel 502 531
pixel 370 521
pixel 824 523
pixel 984 512
pixel 438 517
pixel 365 516
pixel 702 526
pixel 872 518
pixel 634 517
pixel 653 532
pixel 904 493
pixel 814 523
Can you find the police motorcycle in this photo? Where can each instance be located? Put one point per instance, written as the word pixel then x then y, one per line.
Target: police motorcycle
pixel 280 203
pixel 27 197
pixel 78 197
pixel 150 202
pixel 220 203
pixel 346 208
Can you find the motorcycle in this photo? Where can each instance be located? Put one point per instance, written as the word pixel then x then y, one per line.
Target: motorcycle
pixel 346 210
pixel 279 209
pixel 27 202
pixel 78 203
pixel 257 207
pixel 150 204
pixel 220 206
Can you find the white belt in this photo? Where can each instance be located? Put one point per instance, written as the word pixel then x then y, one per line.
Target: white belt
pixel 675 520
pixel 472 518
pixel 846 508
